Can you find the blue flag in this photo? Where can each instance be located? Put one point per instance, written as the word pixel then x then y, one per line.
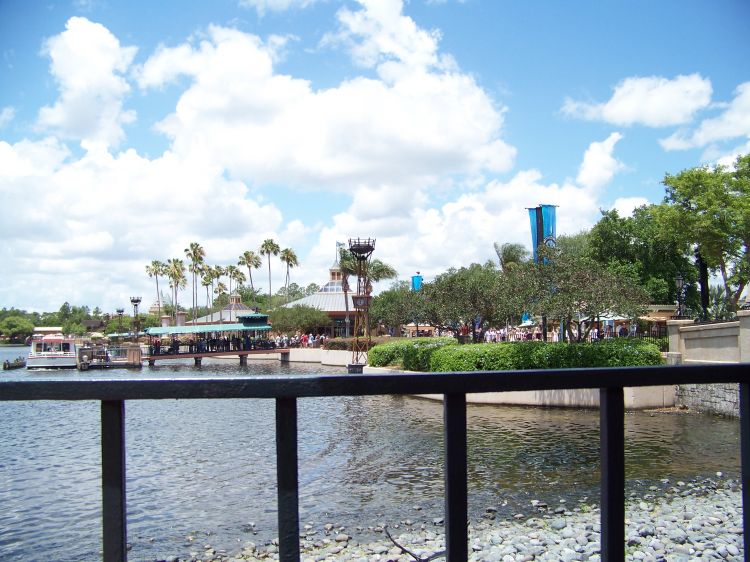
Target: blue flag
pixel 543 227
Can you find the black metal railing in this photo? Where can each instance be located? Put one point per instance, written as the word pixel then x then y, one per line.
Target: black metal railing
pixel 285 390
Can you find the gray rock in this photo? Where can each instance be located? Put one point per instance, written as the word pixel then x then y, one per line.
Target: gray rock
pixel 558 524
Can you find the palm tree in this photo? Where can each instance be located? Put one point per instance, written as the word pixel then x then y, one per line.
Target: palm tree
pixel 290 259
pixel 251 260
pixel 195 253
pixel 155 269
pixel 269 247
pixel 177 279
pixel 377 271
pixel 216 273
pixel 238 277
pixel 221 289
pixel 234 274
pixel 510 254
pixel 207 280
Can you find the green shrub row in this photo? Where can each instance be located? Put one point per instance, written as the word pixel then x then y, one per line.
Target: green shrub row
pixel 617 352
pixel 408 353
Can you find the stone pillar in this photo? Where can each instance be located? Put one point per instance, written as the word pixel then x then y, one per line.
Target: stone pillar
pixel 676 348
pixel 284 357
pixel 166 321
pixel 743 340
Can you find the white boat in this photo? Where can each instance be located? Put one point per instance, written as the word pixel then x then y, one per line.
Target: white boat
pixel 53 351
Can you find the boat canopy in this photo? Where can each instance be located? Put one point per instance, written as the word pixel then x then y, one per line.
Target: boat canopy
pixel 204 329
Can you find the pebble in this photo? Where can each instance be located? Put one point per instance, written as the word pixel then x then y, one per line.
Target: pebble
pixel 704 524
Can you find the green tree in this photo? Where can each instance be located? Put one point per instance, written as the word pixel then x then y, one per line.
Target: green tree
pixel 268 247
pixel 220 291
pixel 298 318
pixel 155 269
pixel 461 296
pixel 196 255
pixel 718 304
pixel 397 306
pixel 311 289
pixel 710 209
pixel 510 254
pixel 290 259
pixel 177 280
pixel 291 293
pixel 234 274
pixel 251 260
pixel 574 290
pixel 16 328
pixel 642 247
pixel 574 244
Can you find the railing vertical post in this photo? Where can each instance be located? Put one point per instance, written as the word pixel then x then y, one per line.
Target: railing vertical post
pixel 456 504
pixel 745 459
pixel 287 479
pixel 612 447
pixel 114 522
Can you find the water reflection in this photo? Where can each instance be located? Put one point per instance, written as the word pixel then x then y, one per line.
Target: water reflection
pixel 208 466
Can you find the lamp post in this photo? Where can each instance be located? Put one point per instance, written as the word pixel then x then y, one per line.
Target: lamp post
pixel 135 301
pixel 120 312
pixel 679 283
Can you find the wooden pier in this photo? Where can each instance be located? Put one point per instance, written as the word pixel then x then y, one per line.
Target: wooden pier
pixel 198 356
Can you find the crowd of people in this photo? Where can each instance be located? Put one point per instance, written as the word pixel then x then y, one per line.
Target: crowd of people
pixel 175 345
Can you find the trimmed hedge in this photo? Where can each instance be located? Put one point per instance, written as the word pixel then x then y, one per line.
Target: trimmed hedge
pixel 412 354
pixel 540 355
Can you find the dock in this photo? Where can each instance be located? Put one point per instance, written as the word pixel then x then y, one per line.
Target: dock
pixel 198 356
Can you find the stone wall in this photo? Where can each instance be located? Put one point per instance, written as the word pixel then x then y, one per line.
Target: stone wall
pixel 709 344
pixel 722 399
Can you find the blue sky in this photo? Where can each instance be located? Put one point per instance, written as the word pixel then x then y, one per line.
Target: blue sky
pixel 130 129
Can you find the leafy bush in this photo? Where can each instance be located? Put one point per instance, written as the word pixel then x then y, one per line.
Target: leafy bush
pixel 411 353
pixel 616 352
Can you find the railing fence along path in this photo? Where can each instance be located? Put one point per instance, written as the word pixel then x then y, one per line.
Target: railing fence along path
pixel 454 386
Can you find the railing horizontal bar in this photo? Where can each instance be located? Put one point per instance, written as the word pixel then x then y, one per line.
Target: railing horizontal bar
pixel 300 386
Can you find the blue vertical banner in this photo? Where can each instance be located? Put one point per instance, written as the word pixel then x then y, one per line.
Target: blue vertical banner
pixel 534 231
pixel 416 282
pixel 549 225
pixel 543 221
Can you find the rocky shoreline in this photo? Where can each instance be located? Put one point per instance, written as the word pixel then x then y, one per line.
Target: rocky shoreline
pixel 677 521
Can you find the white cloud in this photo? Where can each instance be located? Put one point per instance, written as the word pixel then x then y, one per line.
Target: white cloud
pixel 415 234
pixel 625 205
pixel 263 6
pixel 273 128
pixel 599 165
pixel 6 115
pixel 728 159
pixel 88 62
pixel 108 215
pixel 652 101
pixel 379 34
pixel 733 122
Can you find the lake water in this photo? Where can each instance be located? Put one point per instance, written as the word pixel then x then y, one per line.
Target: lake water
pixel 206 468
